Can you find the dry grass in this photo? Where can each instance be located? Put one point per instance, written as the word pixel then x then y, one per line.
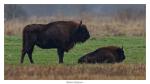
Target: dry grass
pixel 77 72
pixel 98 26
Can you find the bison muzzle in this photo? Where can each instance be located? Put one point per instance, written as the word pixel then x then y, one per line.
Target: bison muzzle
pixel 110 54
pixel 62 35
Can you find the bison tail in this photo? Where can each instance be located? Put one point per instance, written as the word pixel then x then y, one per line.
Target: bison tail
pixel 25 39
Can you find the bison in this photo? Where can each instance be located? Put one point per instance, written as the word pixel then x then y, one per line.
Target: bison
pixel 62 35
pixel 109 54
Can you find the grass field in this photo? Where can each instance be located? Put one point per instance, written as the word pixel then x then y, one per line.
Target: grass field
pixel 46 62
pixel 98 26
pixel 76 72
pixel 134 50
pixel 104 31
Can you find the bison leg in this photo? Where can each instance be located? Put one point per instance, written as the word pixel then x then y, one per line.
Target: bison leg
pixel 28 45
pixel 27 49
pixel 61 55
pixel 110 60
pixel 22 56
pixel 30 54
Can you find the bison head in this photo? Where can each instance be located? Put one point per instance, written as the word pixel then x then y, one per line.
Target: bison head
pixel 81 34
pixel 121 55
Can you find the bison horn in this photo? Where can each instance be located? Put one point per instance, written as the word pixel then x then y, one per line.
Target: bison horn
pixel 80 23
pixel 122 47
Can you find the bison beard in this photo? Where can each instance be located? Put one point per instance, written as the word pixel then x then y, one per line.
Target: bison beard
pixel 62 35
pixel 110 54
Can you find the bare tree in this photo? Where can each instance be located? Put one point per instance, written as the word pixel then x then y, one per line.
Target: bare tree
pixel 12 11
pixel 131 14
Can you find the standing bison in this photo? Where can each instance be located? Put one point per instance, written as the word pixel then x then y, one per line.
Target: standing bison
pixel 62 35
pixel 110 54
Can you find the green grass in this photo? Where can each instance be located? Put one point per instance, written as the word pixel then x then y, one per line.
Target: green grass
pixel 135 50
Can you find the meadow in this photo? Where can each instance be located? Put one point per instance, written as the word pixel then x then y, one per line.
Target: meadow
pixel 104 32
pixel 46 62
pixel 134 48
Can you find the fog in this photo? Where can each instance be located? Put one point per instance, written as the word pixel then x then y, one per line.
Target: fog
pixel 75 9
pixel 28 10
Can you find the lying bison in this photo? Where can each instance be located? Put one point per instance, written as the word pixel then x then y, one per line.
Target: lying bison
pixel 62 35
pixel 110 54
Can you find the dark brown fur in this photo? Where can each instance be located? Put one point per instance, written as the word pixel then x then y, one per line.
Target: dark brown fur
pixel 62 35
pixel 110 54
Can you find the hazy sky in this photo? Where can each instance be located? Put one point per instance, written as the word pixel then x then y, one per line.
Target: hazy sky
pixel 69 9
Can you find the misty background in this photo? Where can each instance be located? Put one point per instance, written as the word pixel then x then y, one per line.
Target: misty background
pixel 24 11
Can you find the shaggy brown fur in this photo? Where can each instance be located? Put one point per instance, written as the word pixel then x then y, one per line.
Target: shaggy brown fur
pixel 110 54
pixel 62 35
